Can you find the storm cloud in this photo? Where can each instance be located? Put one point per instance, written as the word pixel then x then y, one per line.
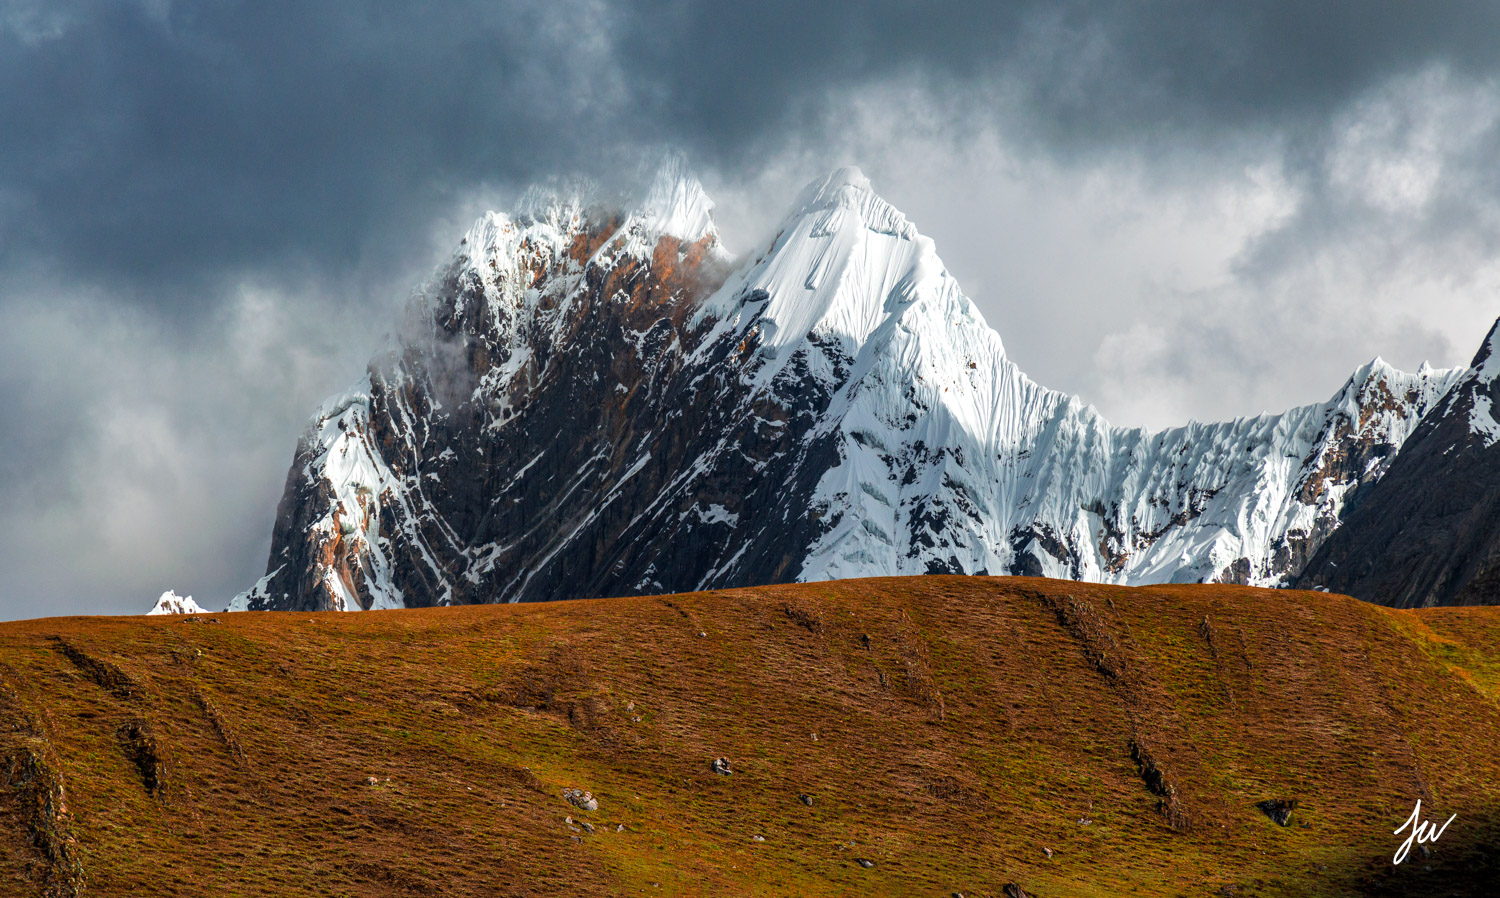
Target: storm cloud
pixel 210 212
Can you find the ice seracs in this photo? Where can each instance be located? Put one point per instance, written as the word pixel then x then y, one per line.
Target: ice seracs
pixel 592 401
pixel 949 459
pixel 171 603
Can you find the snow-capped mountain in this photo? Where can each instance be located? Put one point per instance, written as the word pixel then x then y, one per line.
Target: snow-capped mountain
pixel 588 401
pixel 172 603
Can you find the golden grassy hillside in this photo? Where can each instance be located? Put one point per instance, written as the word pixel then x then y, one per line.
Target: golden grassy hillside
pixel 948 731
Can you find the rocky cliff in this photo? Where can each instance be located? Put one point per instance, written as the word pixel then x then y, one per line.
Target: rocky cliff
pixel 1429 532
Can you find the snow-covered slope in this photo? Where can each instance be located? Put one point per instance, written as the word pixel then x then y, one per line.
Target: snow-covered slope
pixel 950 459
pixel 589 401
pixel 171 603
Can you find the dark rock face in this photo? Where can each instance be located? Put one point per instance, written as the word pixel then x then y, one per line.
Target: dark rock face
pixel 639 443
pixel 1428 532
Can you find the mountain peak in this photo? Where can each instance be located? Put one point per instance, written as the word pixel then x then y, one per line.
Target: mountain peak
pixel 847 189
pixel 1486 362
pixel 676 204
pixel 844 263
pixel 833 184
pixel 558 201
pixel 172 603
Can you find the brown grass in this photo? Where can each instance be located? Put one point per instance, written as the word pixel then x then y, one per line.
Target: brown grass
pixel 963 725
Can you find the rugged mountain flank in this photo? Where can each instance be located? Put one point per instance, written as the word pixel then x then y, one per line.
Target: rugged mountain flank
pixel 1429 532
pixel 591 401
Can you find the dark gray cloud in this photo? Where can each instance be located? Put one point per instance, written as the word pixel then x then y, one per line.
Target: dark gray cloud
pixel 164 142
pixel 209 211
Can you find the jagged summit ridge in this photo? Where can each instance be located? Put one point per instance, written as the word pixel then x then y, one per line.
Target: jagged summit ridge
pixel 171 603
pixel 672 204
pixel 844 267
pixel 597 402
pixel 1428 532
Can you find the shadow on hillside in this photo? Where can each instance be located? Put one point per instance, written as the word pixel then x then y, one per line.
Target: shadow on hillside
pixel 1464 862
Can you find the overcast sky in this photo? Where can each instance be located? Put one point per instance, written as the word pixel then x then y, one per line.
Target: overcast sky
pixel 211 211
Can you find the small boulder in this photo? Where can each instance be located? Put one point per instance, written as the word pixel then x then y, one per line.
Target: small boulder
pixel 721 766
pixel 757 838
pixel 587 826
pixel 1012 890
pixel 864 862
pixel 1278 809
pixel 806 799
pixel 581 799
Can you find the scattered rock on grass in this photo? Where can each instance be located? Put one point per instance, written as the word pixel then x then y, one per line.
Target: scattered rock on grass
pixel 864 862
pixel 581 799
pixel 757 838
pixel 806 799
pixel 1048 852
pixel 1278 809
pixel 721 766
pixel 1012 890
pixel 371 781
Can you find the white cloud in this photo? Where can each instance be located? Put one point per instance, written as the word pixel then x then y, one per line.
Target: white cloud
pixel 1392 150
pixel 176 446
pixel 33 22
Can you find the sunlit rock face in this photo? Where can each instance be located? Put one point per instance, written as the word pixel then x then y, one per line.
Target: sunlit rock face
pixel 597 399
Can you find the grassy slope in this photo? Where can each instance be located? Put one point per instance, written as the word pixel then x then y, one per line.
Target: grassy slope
pixel 980 720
